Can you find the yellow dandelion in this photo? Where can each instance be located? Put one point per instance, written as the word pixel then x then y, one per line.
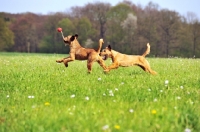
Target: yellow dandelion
pixel 117 127
pixel 153 112
pixel 47 104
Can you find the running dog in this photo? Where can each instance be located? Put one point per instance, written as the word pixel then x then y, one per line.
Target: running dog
pixel 123 60
pixel 77 52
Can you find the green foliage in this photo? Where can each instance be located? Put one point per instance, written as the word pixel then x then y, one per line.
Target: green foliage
pixel 37 94
pixel 6 36
pixel 67 26
pixel 115 33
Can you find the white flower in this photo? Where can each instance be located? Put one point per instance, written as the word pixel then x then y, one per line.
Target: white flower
pixel 149 90
pixel 104 94
pixel 116 89
pixel 122 83
pixel 7 96
pixel 87 98
pixel 99 79
pixel 181 87
pixel 105 127
pixel 131 110
pixel 175 107
pixel 111 94
pixel 155 100
pixel 31 96
pixel 110 91
pixel 166 82
pixel 178 97
pixel 187 130
pixel 161 91
pixel 72 96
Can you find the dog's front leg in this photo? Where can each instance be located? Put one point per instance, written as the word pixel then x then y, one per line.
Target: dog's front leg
pixel 101 63
pixel 68 59
pixel 61 60
pixel 114 65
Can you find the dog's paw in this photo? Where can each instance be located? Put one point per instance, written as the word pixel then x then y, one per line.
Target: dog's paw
pixel 58 61
pixel 106 71
pixel 66 64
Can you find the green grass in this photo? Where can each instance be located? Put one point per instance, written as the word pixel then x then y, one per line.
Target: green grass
pixel 39 95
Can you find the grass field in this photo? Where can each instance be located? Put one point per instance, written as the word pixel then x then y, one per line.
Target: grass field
pixel 39 95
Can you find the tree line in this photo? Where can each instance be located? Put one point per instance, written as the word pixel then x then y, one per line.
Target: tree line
pixel 127 27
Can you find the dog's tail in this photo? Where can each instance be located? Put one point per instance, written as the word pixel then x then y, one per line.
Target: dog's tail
pixel 100 45
pixel 147 51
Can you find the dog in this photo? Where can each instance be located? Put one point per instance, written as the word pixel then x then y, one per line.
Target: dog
pixel 77 52
pixel 123 60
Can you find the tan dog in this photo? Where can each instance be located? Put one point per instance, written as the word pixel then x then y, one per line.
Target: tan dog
pixel 124 60
pixel 79 53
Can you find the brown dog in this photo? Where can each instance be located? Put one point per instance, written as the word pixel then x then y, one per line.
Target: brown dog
pixel 124 60
pixel 79 53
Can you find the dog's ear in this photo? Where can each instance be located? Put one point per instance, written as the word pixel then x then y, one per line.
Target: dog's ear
pixel 109 47
pixel 76 35
pixel 72 38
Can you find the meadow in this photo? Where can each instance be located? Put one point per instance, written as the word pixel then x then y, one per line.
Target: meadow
pixel 39 95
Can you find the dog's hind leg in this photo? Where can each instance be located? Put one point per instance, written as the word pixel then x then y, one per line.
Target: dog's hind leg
pixel 146 67
pixel 89 66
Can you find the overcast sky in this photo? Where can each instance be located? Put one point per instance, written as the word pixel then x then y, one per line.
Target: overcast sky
pixel 47 6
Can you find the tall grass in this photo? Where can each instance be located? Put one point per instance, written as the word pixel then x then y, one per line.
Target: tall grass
pixel 39 95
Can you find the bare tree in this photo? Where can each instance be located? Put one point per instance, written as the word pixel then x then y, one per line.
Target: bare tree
pixel 194 29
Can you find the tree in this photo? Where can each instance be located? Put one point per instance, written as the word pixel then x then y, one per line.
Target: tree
pixel 115 33
pixel 129 26
pixel 169 29
pixel 194 30
pixel 49 43
pixel 96 13
pixel 6 36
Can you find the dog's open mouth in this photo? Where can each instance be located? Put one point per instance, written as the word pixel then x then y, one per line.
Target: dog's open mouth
pixel 104 57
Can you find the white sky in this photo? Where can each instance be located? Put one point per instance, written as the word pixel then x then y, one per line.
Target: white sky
pixel 47 6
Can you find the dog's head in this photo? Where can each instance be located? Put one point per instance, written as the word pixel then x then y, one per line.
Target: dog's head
pixel 106 53
pixel 67 40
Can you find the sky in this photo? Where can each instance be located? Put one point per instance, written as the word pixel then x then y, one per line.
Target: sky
pixel 49 6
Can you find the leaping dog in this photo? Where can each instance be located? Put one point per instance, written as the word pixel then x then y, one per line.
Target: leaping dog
pixel 123 60
pixel 77 52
